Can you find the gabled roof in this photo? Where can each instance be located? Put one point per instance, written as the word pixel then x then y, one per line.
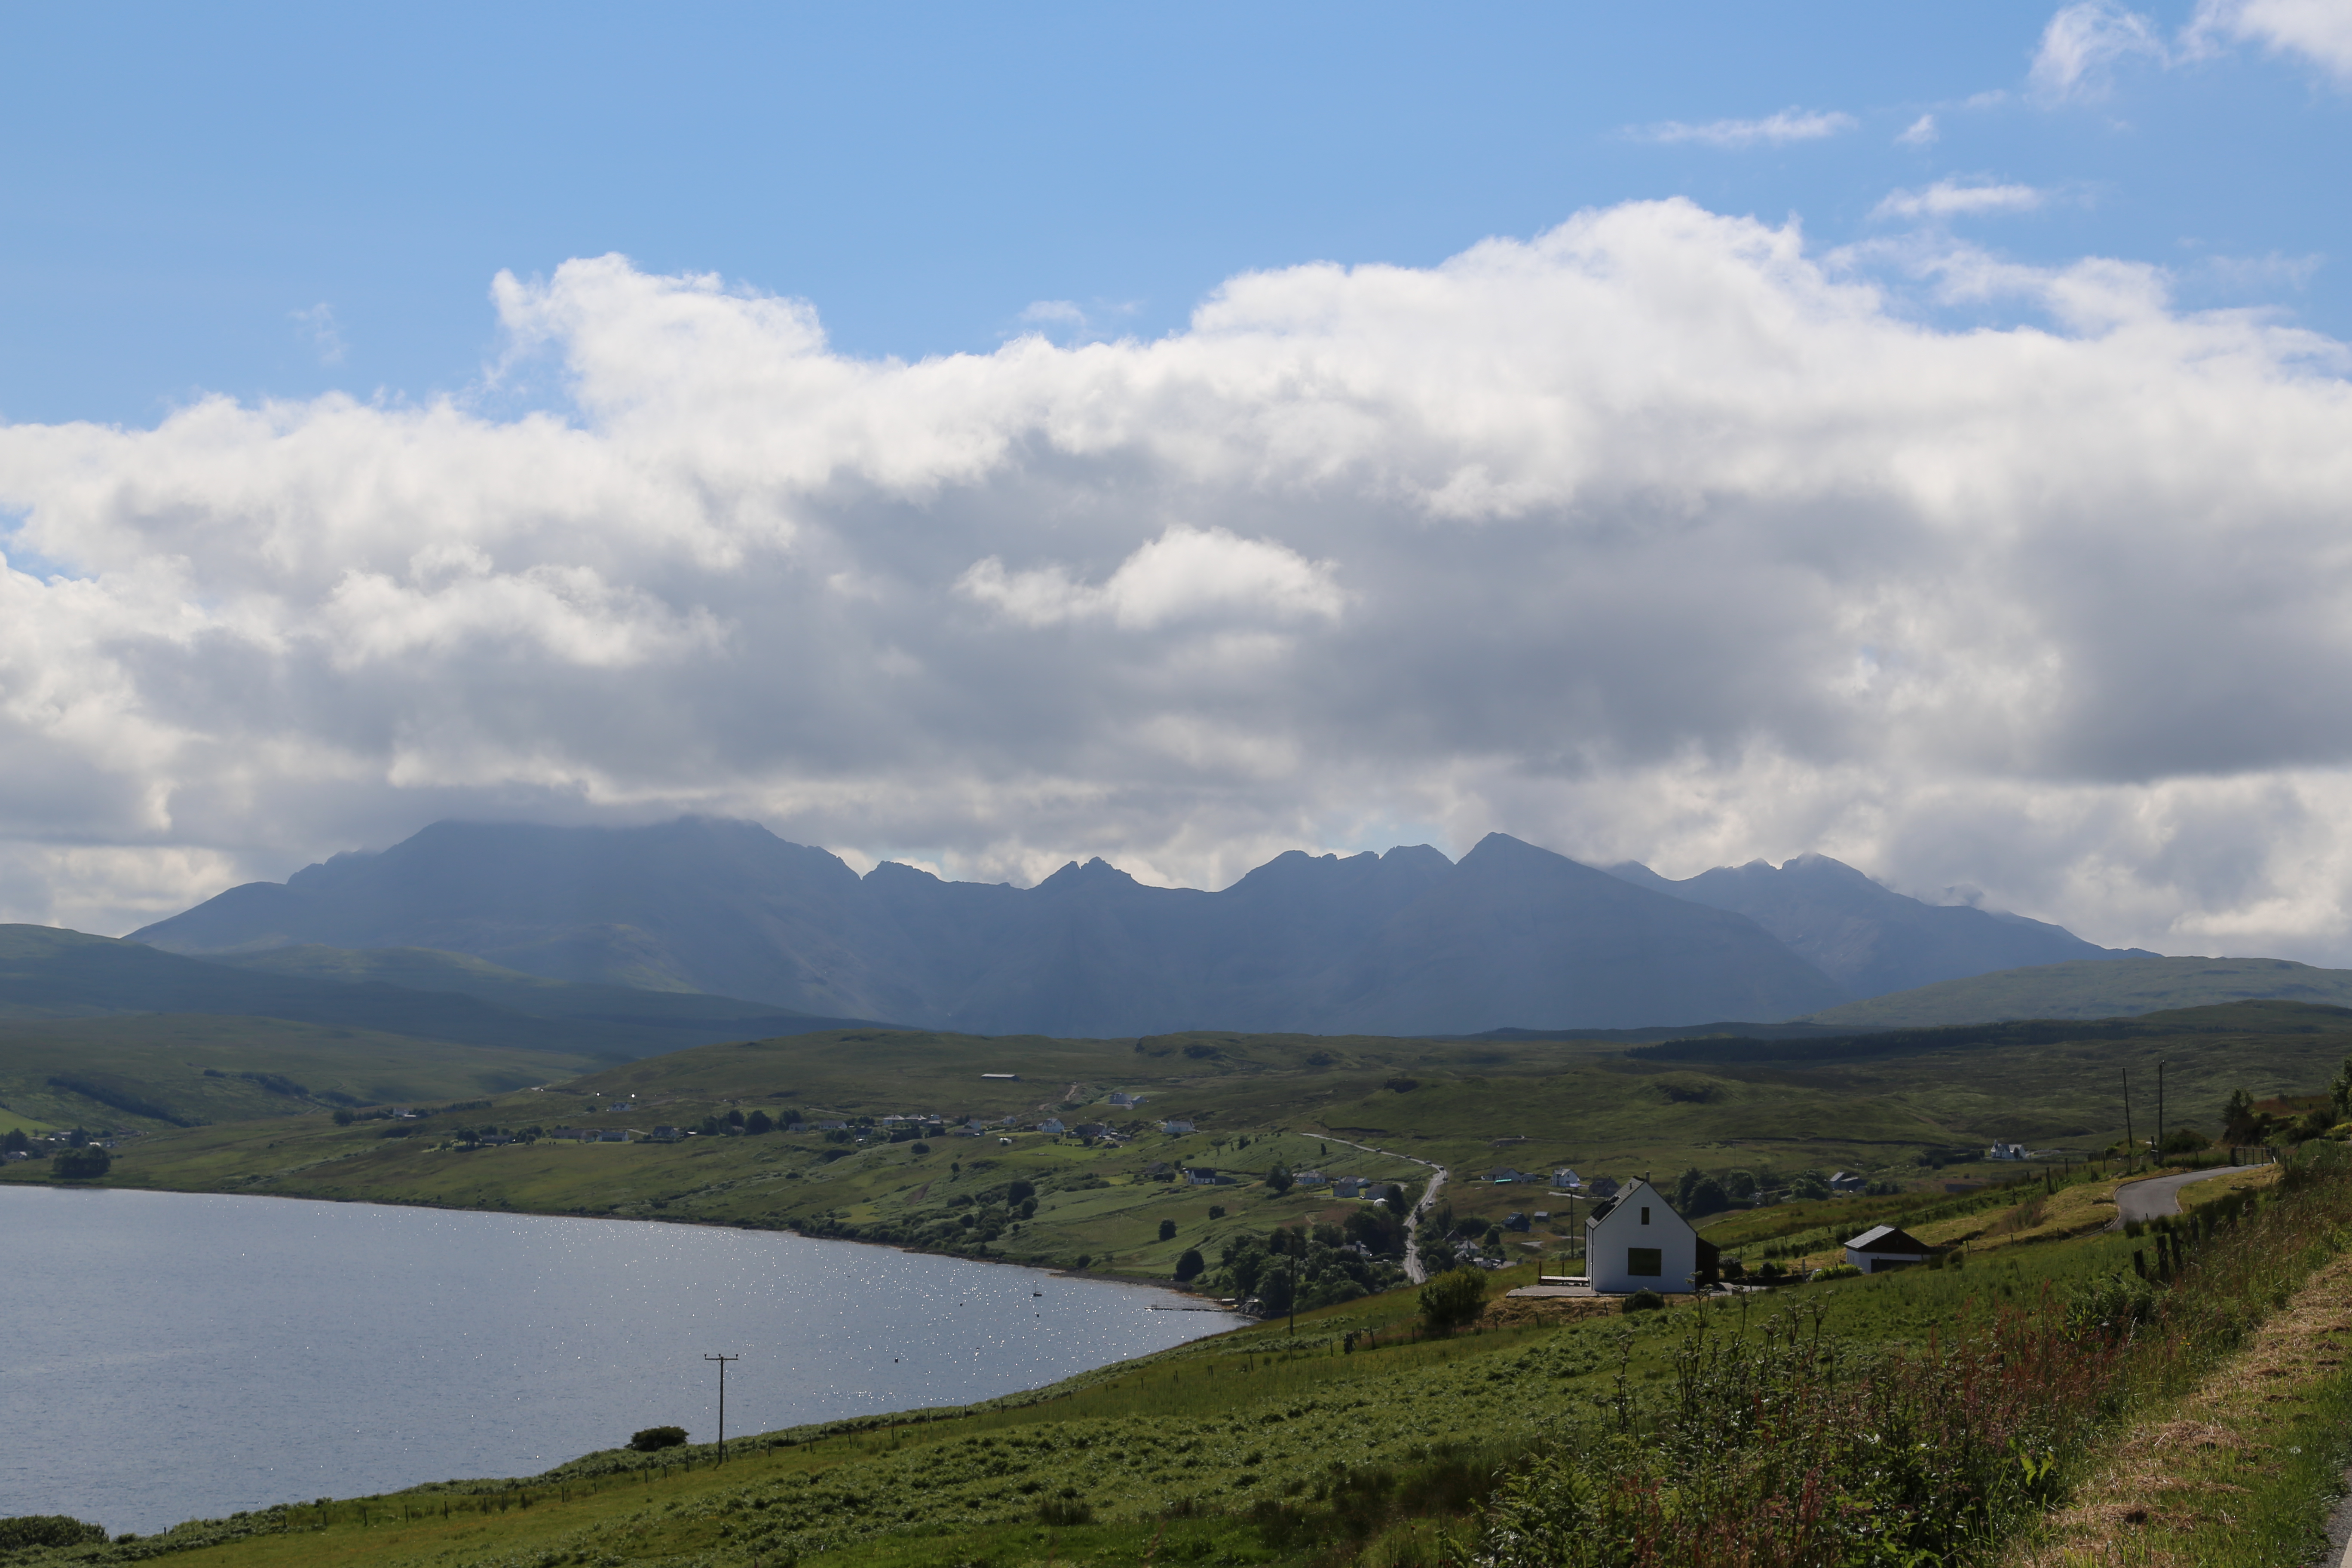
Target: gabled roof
pixel 1886 1238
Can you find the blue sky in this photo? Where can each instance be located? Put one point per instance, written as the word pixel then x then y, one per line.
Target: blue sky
pixel 987 436
pixel 277 200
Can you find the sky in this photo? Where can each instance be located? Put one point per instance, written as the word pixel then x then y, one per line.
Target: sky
pixel 984 438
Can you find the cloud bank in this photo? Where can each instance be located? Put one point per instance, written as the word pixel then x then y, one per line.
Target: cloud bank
pixel 1653 536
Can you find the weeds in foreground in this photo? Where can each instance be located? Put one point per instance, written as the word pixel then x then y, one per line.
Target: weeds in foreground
pixel 1784 1448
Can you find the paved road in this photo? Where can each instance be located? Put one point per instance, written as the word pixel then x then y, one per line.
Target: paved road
pixel 2159 1195
pixel 1415 1269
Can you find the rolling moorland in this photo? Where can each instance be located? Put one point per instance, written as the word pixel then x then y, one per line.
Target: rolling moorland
pixel 1382 1448
pixel 1360 1436
pixel 1915 1108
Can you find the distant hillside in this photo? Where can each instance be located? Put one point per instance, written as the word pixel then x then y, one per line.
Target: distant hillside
pixel 2098 989
pixel 150 1071
pixel 49 973
pixel 1868 938
pixel 1402 944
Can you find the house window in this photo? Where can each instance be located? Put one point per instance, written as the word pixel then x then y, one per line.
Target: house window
pixel 1645 1262
pixel 1645 1213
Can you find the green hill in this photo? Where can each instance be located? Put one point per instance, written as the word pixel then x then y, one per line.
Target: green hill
pixel 151 1072
pixel 46 973
pixel 2093 989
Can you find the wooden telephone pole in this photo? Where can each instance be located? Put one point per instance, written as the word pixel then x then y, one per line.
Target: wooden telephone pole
pixel 722 1360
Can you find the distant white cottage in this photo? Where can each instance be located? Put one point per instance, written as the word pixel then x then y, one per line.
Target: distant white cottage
pixel 1642 1244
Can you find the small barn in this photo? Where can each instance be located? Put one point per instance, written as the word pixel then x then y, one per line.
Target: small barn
pixel 1885 1247
pixel 1640 1243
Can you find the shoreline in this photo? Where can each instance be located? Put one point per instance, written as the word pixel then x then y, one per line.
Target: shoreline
pixel 106 1184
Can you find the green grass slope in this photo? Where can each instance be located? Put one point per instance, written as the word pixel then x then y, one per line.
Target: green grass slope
pixel 1917 1108
pixel 2093 989
pixel 155 1072
pixel 48 972
pixel 1347 1439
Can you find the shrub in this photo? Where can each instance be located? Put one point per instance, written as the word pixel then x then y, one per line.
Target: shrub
pixel 1642 1302
pixel 653 1438
pixel 1278 1179
pixel 80 1164
pixel 1453 1299
pixel 922 1149
pixel 1189 1266
pixel 1216 1211
pixel 27 1530
pixel 1014 1192
pixel 1167 1230
pixel 759 1122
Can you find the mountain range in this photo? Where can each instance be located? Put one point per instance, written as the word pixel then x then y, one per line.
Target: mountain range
pixel 1405 942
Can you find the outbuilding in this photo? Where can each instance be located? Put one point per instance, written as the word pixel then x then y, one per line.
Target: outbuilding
pixel 1885 1247
pixel 1640 1243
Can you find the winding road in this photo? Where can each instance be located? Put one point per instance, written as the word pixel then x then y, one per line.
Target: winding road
pixel 2158 1196
pixel 1415 1269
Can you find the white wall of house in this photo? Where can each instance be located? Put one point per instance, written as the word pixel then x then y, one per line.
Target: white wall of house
pixel 1872 1262
pixel 1642 1244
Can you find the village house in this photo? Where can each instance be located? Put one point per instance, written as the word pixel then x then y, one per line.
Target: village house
pixel 1640 1243
pixel 1601 1187
pixel 1505 1173
pixel 1126 1100
pixel 1848 1181
pixel 2006 1152
pixel 1565 1180
pixel 1307 1178
pixel 1051 1127
pixel 1202 1176
pixel 1884 1247
pixel 1175 1129
pixel 1349 1186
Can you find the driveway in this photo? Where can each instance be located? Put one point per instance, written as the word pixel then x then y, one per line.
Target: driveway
pixel 2158 1196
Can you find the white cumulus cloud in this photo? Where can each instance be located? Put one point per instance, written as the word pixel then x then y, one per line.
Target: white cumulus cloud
pixel 2319 30
pixel 1657 534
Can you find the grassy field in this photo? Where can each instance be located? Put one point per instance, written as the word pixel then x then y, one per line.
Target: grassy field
pixel 153 1072
pixel 1912 1109
pixel 1353 1439
pixel 2096 988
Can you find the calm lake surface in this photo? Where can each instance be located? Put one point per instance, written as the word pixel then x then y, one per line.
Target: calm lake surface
pixel 167 1356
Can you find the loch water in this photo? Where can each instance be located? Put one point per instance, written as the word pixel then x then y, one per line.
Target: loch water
pixel 167 1355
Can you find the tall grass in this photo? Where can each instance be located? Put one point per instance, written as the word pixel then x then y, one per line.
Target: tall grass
pixel 1780 1446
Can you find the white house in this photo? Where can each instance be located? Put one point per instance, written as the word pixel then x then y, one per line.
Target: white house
pixel 1848 1181
pixel 1641 1244
pixel 1884 1247
pixel 1051 1126
pixel 2006 1152
pixel 1565 1180
pixel 1175 1129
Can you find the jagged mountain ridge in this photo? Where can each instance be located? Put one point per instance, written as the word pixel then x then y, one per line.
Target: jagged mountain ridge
pixel 1868 938
pixel 1405 942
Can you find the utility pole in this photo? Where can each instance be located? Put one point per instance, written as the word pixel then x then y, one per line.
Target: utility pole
pixel 2159 1109
pixel 2130 1142
pixel 1294 1295
pixel 722 1360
